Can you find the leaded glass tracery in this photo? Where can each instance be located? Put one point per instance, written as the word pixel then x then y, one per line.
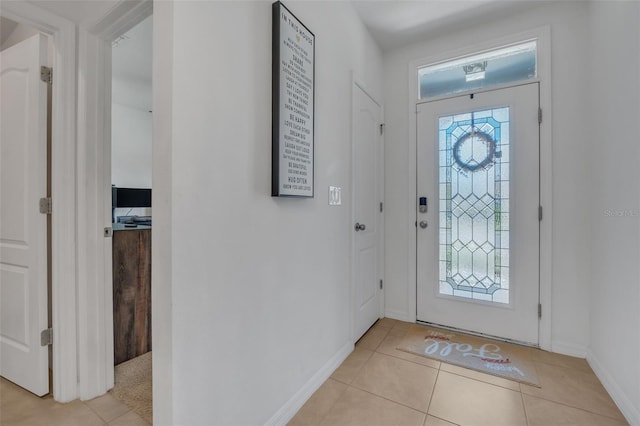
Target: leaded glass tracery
pixel 474 205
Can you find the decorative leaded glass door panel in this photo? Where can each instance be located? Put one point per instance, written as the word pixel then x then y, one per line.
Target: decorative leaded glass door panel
pixel 478 167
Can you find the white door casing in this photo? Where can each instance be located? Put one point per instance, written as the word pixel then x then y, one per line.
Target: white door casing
pixel 23 229
pixel 517 319
pixel 367 217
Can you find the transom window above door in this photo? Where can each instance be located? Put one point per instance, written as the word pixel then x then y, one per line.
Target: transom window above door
pixel 508 64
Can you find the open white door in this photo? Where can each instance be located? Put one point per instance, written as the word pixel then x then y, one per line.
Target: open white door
pixel 367 226
pixel 23 229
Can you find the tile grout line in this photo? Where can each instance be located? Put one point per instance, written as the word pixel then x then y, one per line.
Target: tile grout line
pixel 94 411
pixel 433 391
pixel 381 396
pixel 408 360
pixel 387 399
pixel 412 362
pixel 482 381
pixel 122 415
pixel 444 420
pixel 574 407
pixel 524 408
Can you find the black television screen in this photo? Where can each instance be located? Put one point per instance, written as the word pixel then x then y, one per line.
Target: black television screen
pixel 131 197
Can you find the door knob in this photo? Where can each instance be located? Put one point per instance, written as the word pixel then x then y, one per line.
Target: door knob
pixel 423 224
pixel 360 227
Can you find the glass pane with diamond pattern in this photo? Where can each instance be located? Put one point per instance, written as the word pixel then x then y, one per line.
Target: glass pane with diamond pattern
pixel 474 205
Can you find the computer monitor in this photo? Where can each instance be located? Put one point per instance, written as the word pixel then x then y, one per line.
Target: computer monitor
pixel 130 197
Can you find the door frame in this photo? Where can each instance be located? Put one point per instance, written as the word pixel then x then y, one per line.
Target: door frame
pixel 95 276
pixel 358 83
pixel 543 36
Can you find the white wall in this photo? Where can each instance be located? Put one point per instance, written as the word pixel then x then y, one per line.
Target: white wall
pixel 131 138
pixel 615 201
pixel 135 93
pixel 570 248
pixel 254 294
pixel 131 147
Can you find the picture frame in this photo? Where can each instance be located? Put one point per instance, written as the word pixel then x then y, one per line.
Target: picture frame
pixel 293 102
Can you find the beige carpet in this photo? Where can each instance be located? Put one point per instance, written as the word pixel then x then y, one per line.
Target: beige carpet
pixel 485 355
pixel 133 385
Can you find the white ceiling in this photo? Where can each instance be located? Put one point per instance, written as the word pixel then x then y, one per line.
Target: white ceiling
pixel 394 23
pixel 83 12
pixel 397 23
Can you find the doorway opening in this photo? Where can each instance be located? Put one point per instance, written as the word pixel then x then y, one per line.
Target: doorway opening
pixel 131 183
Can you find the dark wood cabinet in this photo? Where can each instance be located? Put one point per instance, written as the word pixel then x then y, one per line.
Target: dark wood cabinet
pixel 131 293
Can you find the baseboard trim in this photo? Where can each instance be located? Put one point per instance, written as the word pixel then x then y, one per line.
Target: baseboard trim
pixel 400 316
pixel 629 410
pixel 570 349
pixel 291 407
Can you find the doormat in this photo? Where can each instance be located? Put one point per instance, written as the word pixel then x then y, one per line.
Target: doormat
pixel 476 353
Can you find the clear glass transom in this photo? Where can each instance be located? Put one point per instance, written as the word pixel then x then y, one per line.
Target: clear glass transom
pixel 507 64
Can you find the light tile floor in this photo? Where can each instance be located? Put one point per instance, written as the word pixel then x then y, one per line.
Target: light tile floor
pixel 19 407
pixel 380 385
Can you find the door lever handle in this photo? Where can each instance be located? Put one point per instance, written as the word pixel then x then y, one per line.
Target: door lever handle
pixel 360 227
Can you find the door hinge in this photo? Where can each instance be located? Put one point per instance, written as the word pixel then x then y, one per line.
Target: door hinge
pixel 46 205
pixel 46 74
pixel 382 128
pixel 539 115
pixel 381 206
pixel 539 213
pixel 46 337
pixel 539 310
pixel 381 284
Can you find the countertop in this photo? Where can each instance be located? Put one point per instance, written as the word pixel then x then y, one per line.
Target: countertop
pixel 121 227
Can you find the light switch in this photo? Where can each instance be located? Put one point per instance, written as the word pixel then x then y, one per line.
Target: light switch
pixel 335 196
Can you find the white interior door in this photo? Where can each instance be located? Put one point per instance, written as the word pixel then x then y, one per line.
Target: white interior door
pixel 478 241
pixel 367 223
pixel 23 229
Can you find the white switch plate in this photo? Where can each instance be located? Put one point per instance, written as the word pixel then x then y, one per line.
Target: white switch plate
pixel 335 196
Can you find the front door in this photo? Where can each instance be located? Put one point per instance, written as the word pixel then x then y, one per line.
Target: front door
pixel 477 211
pixel 367 183
pixel 23 229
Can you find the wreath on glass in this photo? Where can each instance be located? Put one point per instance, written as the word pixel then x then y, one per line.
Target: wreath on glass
pixel 473 164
